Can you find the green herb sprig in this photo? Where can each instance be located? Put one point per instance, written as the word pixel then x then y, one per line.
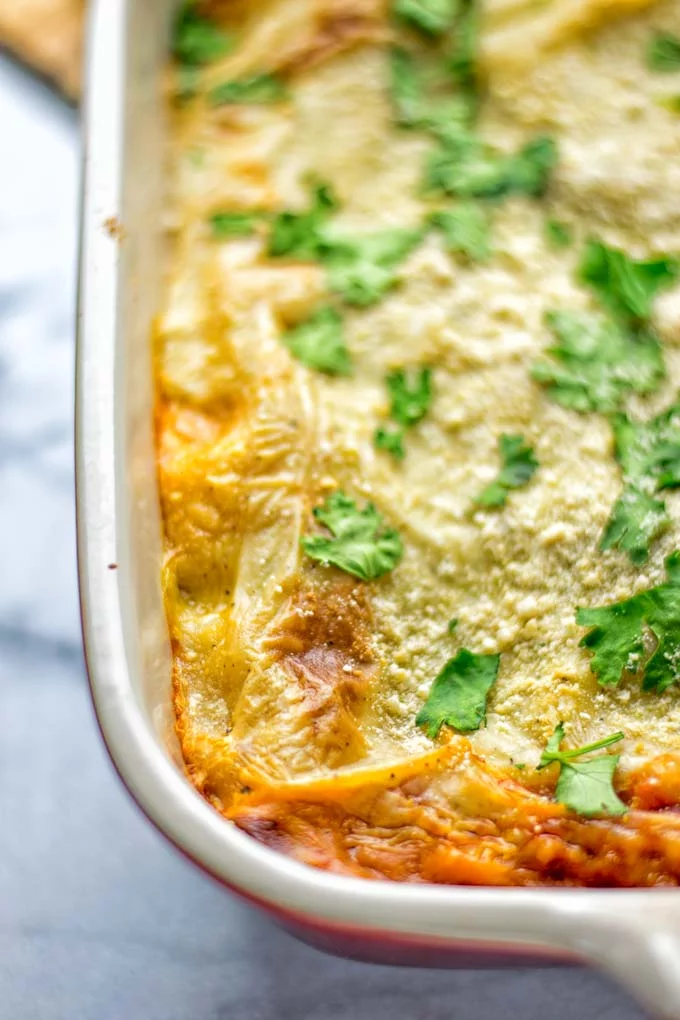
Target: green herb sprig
pixel 519 465
pixel 360 545
pixel 617 635
pixel 585 787
pixel 459 693
pixel 411 396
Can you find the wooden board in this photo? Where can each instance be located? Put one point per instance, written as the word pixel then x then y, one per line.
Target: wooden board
pixel 47 34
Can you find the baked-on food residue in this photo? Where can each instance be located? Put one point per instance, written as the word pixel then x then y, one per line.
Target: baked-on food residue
pixel 419 433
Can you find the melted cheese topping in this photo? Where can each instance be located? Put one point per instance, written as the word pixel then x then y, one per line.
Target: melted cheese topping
pixel 297 687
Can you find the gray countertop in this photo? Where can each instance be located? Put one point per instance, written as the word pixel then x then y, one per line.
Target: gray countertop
pixel 99 918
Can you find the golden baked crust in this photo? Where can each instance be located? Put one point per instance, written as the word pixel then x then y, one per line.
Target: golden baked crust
pixel 297 686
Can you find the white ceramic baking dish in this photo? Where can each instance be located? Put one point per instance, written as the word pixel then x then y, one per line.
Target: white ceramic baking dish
pixel 634 935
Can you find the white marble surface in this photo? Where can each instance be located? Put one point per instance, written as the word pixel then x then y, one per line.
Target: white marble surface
pixel 99 919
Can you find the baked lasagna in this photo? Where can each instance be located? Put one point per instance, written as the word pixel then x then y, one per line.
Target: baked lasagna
pixel 419 433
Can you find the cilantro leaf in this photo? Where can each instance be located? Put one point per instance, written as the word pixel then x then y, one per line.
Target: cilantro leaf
pixel 596 362
pixel 649 455
pixel 462 59
pixel 234 224
pixel 519 467
pixel 197 40
pixel 459 693
pixel 411 394
pixel 636 520
pixel 557 234
pixel 257 88
pixel 663 52
pixel 433 17
pixel 422 99
pixel 362 269
pixel 361 545
pixel 469 168
pixel 300 234
pixel 625 286
pixel 466 230
pixel 410 399
pixel 319 343
pixel 616 635
pixel 585 787
pixel 391 440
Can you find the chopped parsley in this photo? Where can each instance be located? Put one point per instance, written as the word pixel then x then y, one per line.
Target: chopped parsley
pixel 519 467
pixel 361 544
pixel 663 52
pixel 233 224
pixel 451 625
pixel 469 168
pixel 319 343
pixel 299 234
pixel 463 53
pixel 596 362
pixel 585 787
pixel 257 88
pixel 361 270
pixel 411 395
pixel 459 693
pixel 465 228
pixel 197 40
pixel 557 234
pixel 433 17
pixel 423 99
pixel 618 635
pixel 649 455
pixel 625 286
pixel 390 438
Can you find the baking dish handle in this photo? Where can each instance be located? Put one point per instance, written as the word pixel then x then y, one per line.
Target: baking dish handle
pixel 639 946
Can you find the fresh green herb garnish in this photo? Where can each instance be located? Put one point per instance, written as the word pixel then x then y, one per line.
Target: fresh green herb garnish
pixel 362 269
pixel 410 393
pixel 558 235
pixel 625 286
pixel 519 467
pixel 469 168
pixel 319 343
pixel 234 224
pixel 391 440
pixel 410 399
pixel 198 40
pixel 597 362
pixel 585 787
pixel 300 234
pixel 463 50
pixel 433 17
pixel 424 100
pixel 361 544
pixel 459 693
pixel 663 52
pixel 258 88
pixel 465 229
pixel 649 455
pixel 617 635
pixel 451 625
